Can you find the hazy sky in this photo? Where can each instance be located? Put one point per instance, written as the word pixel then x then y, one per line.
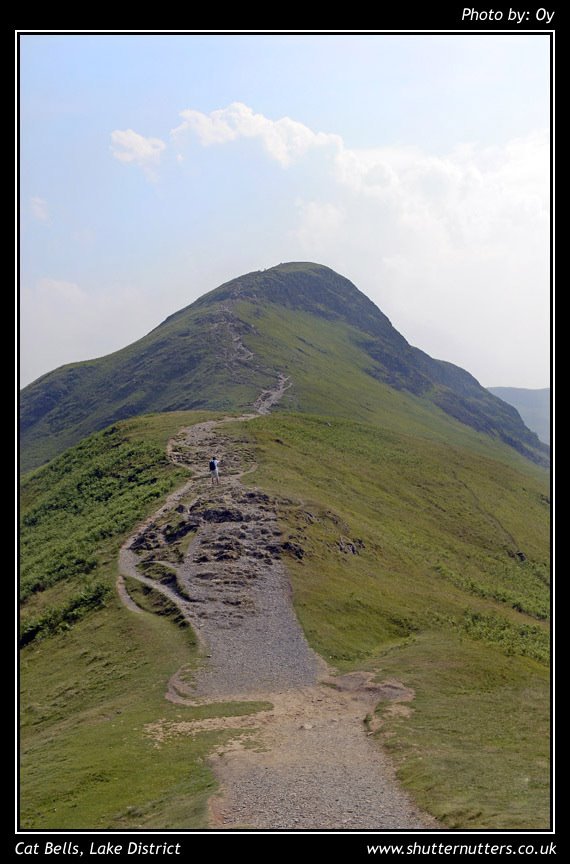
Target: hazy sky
pixel 154 168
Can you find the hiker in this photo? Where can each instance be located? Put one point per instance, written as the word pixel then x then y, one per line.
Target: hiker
pixel 214 474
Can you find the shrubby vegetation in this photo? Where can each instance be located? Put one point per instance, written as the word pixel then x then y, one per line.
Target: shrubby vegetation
pixel 73 513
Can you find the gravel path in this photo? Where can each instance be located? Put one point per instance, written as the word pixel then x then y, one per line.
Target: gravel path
pixel 239 588
pixel 318 769
pixel 217 555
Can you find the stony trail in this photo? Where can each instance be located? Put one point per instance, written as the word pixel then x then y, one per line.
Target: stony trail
pixel 220 550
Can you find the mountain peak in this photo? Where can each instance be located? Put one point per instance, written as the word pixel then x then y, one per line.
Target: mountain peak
pixel 302 320
pixel 308 287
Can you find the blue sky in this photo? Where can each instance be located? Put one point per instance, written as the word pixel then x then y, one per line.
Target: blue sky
pixel 153 168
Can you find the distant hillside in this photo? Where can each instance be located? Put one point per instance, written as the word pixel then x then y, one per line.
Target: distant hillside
pixel 532 405
pixel 340 352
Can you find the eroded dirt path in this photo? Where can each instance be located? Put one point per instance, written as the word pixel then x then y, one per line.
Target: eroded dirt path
pixel 268 398
pixel 318 766
pixel 216 552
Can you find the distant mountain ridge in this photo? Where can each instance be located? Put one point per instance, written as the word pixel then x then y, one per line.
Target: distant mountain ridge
pixel 532 405
pixel 303 320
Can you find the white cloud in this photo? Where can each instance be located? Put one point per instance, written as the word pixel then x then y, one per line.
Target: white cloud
pixel 128 146
pixel 285 140
pixel 453 248
pixel 472 197
pixel 39 209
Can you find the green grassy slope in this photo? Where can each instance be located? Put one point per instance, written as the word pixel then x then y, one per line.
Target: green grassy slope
pixel 87 697
pixel 408 568
pixel 433 594
pixel 331 377
pixel 221 351
pixel 92 675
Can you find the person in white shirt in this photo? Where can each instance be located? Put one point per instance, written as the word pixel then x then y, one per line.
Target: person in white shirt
pixel 214 473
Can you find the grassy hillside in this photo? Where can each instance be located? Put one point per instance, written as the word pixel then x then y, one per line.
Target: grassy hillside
pixel 332 376
pixel 409 568
pixel 92 674
pixel 219 353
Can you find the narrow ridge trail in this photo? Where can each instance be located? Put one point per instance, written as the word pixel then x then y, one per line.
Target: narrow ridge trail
pixel 219 550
